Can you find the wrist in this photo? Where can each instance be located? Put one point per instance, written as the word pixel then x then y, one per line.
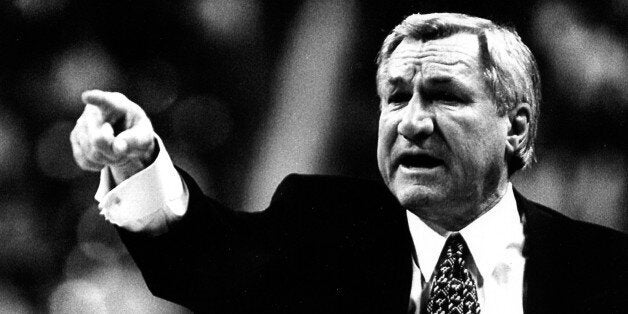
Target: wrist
pixel 132 166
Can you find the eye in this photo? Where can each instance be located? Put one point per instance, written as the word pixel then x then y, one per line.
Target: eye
pixel 399 97
pixel 446 96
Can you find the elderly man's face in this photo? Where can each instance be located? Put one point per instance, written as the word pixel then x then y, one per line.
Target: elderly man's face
pixel 441 147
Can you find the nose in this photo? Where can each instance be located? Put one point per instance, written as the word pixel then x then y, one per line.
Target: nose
pixel 417 121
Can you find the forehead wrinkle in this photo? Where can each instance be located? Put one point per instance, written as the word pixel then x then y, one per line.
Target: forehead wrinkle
pixel 414 56
pixel 451 53
pixel 404 63
pixel 403 69
pixel 448 64
pixel 449 57
pixel 406 57
pixel 449 47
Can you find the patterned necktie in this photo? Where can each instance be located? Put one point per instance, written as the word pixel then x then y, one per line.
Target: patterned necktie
pixel 453 287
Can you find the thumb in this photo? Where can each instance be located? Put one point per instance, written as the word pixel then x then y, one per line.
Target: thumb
pixel 136 149
pixel 136 142
pixel 120 146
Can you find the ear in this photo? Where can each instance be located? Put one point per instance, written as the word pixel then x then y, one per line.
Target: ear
pixel 519 118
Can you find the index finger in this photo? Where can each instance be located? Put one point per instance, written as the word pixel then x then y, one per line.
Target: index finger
pixel 107 102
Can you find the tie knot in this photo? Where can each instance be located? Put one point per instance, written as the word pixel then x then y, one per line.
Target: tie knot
pixel 455 252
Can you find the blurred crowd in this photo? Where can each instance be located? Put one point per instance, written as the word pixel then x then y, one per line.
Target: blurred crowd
pixel 244 92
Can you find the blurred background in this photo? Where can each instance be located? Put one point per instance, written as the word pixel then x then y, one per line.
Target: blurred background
pixel 244 92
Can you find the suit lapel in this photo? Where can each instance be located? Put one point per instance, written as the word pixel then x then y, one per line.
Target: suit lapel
pixel 544 252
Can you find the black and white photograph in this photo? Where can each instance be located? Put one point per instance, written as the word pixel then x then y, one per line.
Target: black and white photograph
pixel 314 156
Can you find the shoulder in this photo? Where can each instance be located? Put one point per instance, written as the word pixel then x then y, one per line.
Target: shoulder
pixel 546 222
pixel 592 253
pixel 317 189
pixel 549 227
pixel 572 262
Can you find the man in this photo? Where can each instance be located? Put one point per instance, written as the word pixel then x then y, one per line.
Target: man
pixel 445 233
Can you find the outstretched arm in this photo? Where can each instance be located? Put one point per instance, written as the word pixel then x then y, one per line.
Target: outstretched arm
pixel 190 249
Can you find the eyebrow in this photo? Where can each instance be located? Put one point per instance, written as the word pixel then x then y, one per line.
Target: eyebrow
pixel 446 82
pixel 395 84
pixel 432 81
pixel 440 79
pixel 396 81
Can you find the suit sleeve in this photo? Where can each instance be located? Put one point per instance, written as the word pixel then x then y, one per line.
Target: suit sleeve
pixel 213 259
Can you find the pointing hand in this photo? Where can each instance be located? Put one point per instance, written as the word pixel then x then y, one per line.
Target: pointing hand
pixel 113 131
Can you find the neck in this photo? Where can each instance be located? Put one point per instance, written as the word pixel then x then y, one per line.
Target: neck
pixel 456 218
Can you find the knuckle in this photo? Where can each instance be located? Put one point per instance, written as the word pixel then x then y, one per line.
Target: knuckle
pixel 78 155
pixel 92 140
pixel 87 157
pixel 92 115
pixel 83 164
pixel 91 156
pixel 97 140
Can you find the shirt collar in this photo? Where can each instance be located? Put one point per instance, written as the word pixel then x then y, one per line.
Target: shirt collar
pixel 488 237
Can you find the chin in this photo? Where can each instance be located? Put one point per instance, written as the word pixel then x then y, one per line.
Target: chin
pixel 418 197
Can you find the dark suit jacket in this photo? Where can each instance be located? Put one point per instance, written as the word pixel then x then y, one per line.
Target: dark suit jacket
pixel 341 245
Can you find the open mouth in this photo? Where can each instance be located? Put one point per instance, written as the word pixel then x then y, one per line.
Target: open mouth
pixel 420 161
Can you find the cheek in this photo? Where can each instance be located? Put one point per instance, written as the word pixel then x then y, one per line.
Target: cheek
pixel 387 132
pixel 387 135
pixel 476 141
pixel 468 137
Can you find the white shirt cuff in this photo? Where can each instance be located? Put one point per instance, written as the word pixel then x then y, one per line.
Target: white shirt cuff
pixel 148 201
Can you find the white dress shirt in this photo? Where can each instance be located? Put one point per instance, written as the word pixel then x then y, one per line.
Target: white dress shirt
pixel 495 241
pixel 148 201
pixel 155 197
